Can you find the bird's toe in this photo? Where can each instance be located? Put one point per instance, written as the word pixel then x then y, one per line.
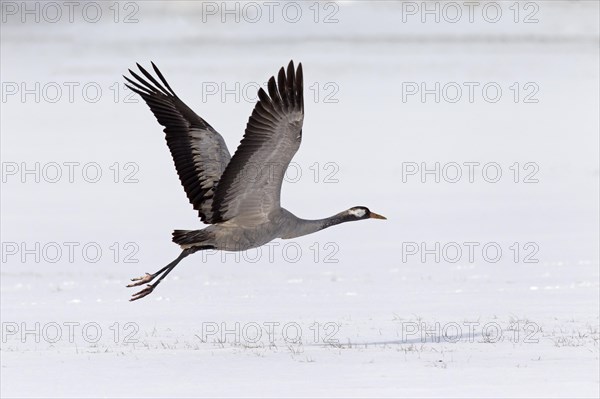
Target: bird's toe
pixel 142 293
pixel 141 280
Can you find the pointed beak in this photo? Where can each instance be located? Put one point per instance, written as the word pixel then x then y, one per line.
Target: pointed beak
pixel 374 215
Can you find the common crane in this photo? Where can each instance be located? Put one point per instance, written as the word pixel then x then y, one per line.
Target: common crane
pixel 242 212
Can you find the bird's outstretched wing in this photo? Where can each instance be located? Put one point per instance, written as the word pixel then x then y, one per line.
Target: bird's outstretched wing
pixel 199 152
pixel 250 187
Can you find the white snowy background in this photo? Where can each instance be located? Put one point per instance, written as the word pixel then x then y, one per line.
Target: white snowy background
pixel 371 317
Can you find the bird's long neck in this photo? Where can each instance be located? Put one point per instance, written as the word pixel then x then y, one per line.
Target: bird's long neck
pixel 303 227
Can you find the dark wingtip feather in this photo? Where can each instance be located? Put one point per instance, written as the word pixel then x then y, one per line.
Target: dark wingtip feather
pixel 300 85
pixel 263 97
pixel 281 85
pixel 162 78
pixel 291 78
pixel 273 92
pixel 149 76
pixel 137 88
pixel 132 89
pixel 148 86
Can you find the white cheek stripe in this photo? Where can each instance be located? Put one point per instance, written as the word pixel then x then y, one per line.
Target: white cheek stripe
pixel 358 212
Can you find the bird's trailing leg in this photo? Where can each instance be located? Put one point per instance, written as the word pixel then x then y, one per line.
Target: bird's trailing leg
pixel 162 273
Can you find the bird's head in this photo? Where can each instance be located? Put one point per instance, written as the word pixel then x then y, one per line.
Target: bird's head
pixel 362 212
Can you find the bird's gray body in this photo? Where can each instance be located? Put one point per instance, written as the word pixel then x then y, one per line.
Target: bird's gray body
pixel 234 236
pixel 239 196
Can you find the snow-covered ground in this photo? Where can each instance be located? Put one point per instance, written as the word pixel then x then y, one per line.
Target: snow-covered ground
pixel 477 285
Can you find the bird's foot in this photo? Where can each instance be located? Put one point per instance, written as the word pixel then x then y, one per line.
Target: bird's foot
pixel 146 291
pixel 142 280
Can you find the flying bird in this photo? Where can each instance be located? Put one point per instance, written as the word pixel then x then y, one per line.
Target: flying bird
pixel 243 209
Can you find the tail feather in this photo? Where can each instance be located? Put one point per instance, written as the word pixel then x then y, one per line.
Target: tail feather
pixel 187 238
